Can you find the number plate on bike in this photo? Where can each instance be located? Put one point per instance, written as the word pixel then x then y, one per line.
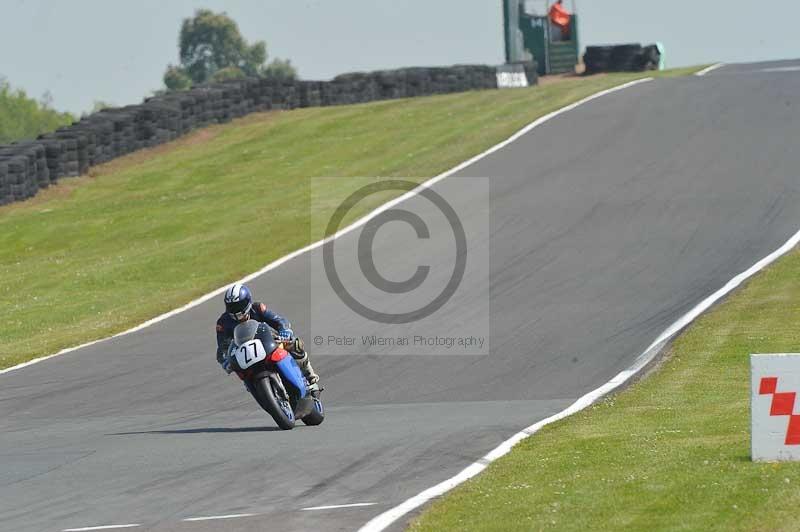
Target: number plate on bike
pixel 250 353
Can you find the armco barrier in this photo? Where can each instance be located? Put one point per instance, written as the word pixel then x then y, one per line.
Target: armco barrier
pixel 621 58
pixel 27 166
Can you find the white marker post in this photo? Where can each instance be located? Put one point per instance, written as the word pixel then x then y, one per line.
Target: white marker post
pixel 775 407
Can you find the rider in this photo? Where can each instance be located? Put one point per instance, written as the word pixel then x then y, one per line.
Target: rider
pixel 240 307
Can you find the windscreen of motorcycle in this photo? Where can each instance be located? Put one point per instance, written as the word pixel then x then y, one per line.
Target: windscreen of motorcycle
pixel 244 332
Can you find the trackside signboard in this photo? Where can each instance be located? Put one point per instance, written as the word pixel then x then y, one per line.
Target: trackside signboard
pixel 775 406
pixel 511 76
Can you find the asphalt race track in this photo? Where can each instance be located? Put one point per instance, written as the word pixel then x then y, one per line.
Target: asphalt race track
pixel 606 224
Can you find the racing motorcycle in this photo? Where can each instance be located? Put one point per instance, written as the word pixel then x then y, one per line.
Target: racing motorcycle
pixel 273 377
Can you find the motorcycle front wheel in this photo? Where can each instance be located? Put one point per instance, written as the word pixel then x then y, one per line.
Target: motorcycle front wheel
pixel 269 394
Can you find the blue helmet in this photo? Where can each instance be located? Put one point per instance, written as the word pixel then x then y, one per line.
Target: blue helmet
pixel 238 302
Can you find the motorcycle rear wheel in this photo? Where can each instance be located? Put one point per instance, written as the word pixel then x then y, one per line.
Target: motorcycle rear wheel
pixel 317 415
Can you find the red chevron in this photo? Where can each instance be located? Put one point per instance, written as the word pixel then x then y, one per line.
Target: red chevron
pixel 782 405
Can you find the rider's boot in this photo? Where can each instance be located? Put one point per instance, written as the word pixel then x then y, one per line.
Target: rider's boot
pixel 301 357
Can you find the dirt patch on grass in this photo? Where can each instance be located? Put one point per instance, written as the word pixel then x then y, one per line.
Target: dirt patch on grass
pixel 558 78
pixel 59 190
pixel 195 138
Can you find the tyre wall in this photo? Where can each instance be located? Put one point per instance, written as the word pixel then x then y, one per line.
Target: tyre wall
pixel 28 166
pixel 621 58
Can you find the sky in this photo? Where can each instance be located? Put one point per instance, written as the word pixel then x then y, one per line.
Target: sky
pixel 84 51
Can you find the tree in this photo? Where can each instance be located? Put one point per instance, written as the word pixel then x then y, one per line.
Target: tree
pixel 226 73
pixel 22 117
pixel 211 48
pixel 280 69
pixel 176 79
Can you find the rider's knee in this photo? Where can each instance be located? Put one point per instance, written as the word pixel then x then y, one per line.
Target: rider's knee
pixel 297 348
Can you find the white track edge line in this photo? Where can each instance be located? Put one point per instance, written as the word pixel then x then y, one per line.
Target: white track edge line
pixel 411 193
pixel 388 517
pixel 103 527
pixel 337 506
pixel 708 69
pixel 216 517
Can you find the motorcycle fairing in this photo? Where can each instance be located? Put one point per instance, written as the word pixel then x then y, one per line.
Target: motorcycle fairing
pixel 290 371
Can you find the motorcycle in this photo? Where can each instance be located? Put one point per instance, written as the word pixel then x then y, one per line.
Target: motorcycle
pixel 273 378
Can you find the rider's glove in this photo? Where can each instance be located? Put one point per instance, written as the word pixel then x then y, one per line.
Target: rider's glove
pixel 285 335
pixel 226 365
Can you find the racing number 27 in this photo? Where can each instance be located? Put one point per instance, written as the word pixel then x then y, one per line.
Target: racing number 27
pixel 249 351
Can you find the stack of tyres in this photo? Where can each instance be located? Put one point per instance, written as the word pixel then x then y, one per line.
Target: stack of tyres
pixel 190 105
pixel 391 84
pixel 287 95
pixel 437 81
pixel 202 113
pixel 621 58
pixel 121 123
pixel 39 173
pixel 97 137
pixel 232 96
pixel 70 157
pixel 237 97
pixel 434 80
pixel 254 97
pixel 216 108
pixel 188 111
pixel 17 180
pixel 54 156
pixel 293 95
pixel 76 143
pixel 310 94
pixel 23 175
pixel 87 143
pixel 5 185
pixel 481 77
pixel 478 77
pixel 104 135
pixel 333 93
pixel 463 79
pixel 350 88
pixel 625 58
pixel 598 59
pixel 650 57
pixel 417 82
pixel 17 176
pixel 271 94
pixel 159 120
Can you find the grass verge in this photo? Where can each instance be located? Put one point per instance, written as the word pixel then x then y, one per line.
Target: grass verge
pixel 672 452
pixel 146 233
